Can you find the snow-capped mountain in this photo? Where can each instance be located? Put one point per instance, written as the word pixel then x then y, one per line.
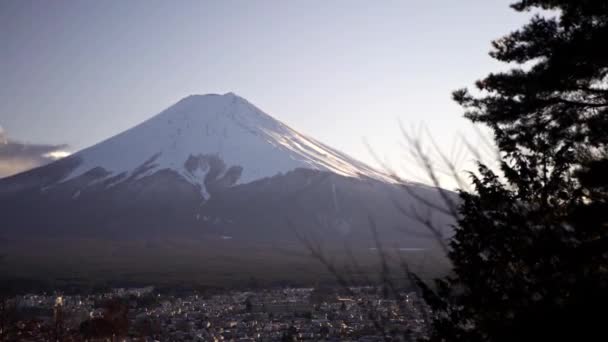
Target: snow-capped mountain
pixel 208 166
pixel 188 135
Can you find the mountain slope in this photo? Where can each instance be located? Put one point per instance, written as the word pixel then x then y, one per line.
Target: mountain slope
pixel 210 167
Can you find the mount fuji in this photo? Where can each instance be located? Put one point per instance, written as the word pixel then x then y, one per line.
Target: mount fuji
pixel 210 167
pixel 194 135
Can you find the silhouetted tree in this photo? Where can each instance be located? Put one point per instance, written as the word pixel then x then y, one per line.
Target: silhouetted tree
pixel 248 304
pixel 290 335
pixel 114 321
pixel 8 310
pixel 7 317
pixel 530 250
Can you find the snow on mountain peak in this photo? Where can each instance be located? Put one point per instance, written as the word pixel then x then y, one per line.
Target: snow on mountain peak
pixel 200 130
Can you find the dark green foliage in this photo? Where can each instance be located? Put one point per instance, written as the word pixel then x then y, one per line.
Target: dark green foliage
pixel 530 252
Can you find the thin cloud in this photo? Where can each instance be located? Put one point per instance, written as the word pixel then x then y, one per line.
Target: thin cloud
pixel 16 157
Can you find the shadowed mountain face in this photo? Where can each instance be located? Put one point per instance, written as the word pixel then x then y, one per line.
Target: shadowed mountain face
pixel 212 168
pixel 164 205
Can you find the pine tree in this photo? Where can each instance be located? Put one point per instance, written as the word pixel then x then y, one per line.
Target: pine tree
pixel 530 250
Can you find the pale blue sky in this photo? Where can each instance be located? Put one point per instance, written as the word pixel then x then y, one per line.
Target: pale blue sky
pixel 77 72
